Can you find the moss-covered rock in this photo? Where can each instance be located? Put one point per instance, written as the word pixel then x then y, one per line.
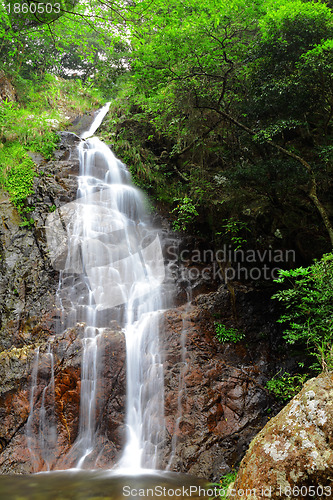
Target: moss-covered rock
pixel 294 450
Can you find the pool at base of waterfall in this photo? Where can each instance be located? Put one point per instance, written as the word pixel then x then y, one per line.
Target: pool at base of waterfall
pixel 102 485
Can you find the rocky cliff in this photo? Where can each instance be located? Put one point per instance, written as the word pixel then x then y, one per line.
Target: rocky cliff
pixel 215 396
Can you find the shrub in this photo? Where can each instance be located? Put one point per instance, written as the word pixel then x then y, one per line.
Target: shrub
pixel 286 386
pixel 308 309
pixel 225 334
pixel 17 171
pixel 186 213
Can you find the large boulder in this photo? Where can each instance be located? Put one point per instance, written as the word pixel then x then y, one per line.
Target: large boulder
pixel 293 454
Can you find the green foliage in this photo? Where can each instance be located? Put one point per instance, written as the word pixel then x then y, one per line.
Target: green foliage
pixel 275 179
pixel 29 126
pixel 33 123
pixel 223 485
pixel 17 172
pixel 139 165
pixel 179 70
pixel 24 16
pixel 225 334
pixel 7 113
pixel 79 40
pixel 47 145
pixel 288 74
pixel 275 129
pixel 308 309
pixel 268 65
pixel 28 223
pixel 286 386
pixel 186 213
pixel 234 231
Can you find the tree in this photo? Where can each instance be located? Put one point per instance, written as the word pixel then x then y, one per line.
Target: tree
pixel 79 41
pixel 202 72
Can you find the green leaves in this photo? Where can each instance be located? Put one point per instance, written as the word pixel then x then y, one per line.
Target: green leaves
pixel 286 386
pixel 186 214
pixel 234 231
pixel 19 179
pixel 275 129
pixel 225 334
pixel 24 15
pixel 69 37
pixel 308 309
pixel 287 44
pixel 31 128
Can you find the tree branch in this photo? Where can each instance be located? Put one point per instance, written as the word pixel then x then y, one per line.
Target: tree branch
pixel 313 183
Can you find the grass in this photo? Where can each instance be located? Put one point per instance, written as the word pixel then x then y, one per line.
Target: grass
pixel 44 106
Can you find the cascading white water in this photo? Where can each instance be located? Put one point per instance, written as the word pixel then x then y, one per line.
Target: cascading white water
pixel 111 268
pixel 113 271
pixel 41 427
pixel 29 428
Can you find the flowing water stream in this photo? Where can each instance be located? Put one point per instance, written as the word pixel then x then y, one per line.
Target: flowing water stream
pixel 113 269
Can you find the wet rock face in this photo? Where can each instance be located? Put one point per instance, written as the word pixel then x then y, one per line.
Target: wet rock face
pixel 223 398
pixel 30 442
pixel 215 399
pixel 28 281
pixel 294 450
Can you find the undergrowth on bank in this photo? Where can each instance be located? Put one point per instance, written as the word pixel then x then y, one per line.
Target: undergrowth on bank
pixel 186 214
pixel 286 386
pixel 44 105
pixel 222 486
pixel 225 334
pixel 17 172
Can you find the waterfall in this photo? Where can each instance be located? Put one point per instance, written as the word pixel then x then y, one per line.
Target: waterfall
pixel 113 269
pixel 41 428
